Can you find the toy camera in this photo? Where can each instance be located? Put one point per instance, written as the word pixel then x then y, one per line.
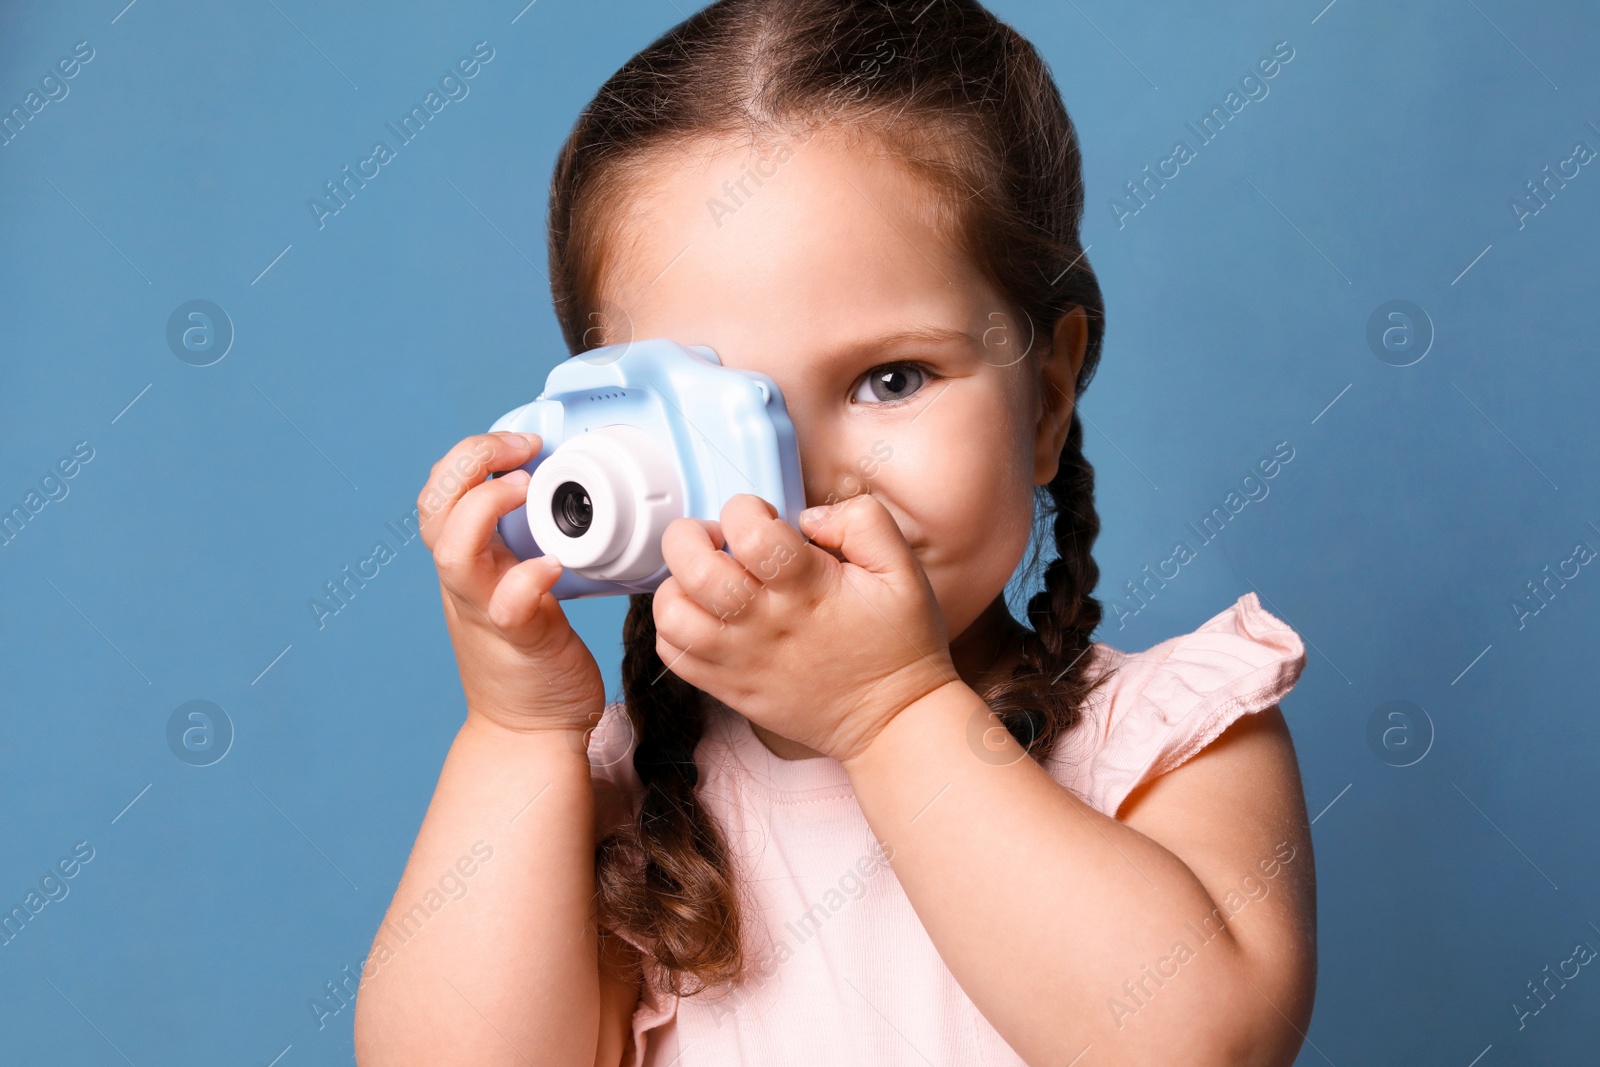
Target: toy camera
pixel 633 436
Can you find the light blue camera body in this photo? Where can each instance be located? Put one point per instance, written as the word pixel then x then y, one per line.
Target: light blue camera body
pixel 633 436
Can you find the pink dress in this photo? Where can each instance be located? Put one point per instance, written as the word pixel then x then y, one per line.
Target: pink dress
pixel 842 970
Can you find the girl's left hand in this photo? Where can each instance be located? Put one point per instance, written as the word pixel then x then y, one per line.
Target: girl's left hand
pixel 816 650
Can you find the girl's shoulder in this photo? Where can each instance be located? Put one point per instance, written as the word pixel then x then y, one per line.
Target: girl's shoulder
pixel 1159 707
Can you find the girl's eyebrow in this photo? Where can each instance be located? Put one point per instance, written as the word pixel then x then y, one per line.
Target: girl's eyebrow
pixel 905 337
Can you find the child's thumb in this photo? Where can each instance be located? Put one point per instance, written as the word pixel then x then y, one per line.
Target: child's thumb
pixel 863 531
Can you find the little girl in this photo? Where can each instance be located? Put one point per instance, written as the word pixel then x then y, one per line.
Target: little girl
pixel 849 810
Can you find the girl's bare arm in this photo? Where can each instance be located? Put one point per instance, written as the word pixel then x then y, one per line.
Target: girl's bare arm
pixel 1183 933
pixel 499 967
pixel 488 954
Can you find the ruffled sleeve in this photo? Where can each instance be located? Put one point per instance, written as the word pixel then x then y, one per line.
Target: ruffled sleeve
pixel 618 793
pixel 1161 706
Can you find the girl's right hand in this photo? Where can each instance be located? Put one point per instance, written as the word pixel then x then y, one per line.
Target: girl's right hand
pixel 522 665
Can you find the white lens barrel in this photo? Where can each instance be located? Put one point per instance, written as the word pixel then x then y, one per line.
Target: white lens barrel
pixel 633 492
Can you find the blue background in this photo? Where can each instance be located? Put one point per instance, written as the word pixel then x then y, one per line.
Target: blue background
pixel 1380 167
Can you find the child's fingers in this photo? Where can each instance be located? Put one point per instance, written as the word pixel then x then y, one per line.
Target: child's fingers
pixel 461 550
pixel 675 659
pixel 772 550
pixel 718 583
pixel 684 622
pixel 464 467
pixel 517 597
pixel 863 531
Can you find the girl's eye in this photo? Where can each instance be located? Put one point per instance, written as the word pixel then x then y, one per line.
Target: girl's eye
pixel 890 382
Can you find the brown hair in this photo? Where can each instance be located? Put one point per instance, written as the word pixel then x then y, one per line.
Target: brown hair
pixel 969 105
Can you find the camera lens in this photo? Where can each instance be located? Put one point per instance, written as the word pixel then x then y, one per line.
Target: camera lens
pixel 571 509
pixel 601 500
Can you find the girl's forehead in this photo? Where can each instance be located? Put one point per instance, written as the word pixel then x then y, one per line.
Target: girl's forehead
pixel 817 234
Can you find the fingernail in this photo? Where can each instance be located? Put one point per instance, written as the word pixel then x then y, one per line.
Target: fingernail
pixel 520 440
pixel 813 515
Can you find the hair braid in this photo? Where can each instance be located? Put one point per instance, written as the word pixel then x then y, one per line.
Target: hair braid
pixel 1046 691
pixel 667 875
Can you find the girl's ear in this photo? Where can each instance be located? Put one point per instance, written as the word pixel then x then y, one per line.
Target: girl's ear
pixel 1058 377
